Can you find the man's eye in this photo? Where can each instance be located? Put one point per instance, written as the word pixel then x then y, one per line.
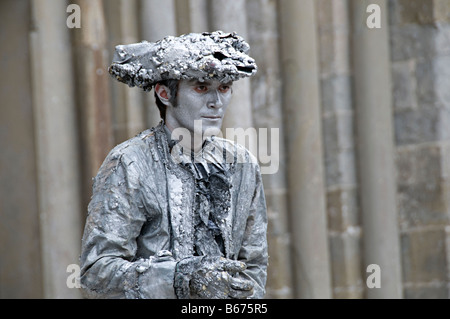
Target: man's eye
pixel 201 89
pixel 224 88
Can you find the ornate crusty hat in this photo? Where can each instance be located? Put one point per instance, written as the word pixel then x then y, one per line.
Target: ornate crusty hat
pixel 202 56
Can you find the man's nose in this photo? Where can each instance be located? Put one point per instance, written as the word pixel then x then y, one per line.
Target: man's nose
pixel 215 101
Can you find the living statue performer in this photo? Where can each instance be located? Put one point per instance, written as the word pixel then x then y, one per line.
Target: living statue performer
pixel 176 211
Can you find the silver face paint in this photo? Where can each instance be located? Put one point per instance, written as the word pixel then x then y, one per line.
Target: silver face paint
pixel 199 101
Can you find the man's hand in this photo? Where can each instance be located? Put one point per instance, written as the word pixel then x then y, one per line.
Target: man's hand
pixel 211 277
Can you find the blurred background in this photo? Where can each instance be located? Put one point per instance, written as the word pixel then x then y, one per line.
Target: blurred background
pixel 359 205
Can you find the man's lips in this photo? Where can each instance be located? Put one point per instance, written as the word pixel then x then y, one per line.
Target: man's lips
pixel 215 117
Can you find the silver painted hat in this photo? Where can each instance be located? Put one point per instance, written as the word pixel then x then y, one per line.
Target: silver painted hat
pixel 202 56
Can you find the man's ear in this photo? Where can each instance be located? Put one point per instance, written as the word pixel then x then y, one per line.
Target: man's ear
pixel 163 93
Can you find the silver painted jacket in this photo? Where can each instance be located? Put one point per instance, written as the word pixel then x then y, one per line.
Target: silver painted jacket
pixel 140 219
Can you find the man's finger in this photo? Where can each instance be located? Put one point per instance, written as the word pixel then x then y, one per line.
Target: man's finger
pixel 240 294
pixel 241 284
pixel 231 266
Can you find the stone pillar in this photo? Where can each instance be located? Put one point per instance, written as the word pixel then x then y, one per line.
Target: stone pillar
pixel 231 16
pixel 20 261
pixel 198 11
pixel 127 103
pixel 268 115
pixel 372 92
pixel 158 19
pixel 183 16
pixel 344 231
pixel 93 103
pixel 56 146
pixel 303 131
pixel 420 64
pixel 191 16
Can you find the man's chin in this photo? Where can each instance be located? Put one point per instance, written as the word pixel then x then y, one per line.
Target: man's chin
pixel 210 131
pixel 205 129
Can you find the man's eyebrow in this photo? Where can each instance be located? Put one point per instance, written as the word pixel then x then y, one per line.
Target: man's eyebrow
pixel 197 82
pixel 208 83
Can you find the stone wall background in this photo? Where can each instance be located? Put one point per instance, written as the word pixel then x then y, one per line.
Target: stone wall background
pixel 420 42
pixel 364 114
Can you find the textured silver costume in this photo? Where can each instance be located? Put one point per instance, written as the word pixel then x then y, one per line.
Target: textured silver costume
pixel 142 216
pixel 165 222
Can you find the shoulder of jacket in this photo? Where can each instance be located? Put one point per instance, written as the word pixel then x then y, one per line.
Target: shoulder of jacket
pixel 128 150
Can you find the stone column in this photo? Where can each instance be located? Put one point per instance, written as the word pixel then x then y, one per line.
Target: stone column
pixel 56 144
pixel 268 115
pixel 344 227
pixel 198 11
pixel 192 16
pixel 377 174
pixel 231 16
pixel 303 131
pixel 127 103
pixel 183 16
pixel 158 19
pixel 20 261
pixel 420 64
pixel 93 96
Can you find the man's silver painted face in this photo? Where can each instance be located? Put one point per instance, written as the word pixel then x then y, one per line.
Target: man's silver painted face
pixel 206 101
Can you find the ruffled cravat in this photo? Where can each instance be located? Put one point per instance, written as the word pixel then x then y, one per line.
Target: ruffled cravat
pixel 209 190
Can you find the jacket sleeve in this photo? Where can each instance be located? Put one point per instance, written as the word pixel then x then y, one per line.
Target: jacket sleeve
pixel 109 268
pixel 254 246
